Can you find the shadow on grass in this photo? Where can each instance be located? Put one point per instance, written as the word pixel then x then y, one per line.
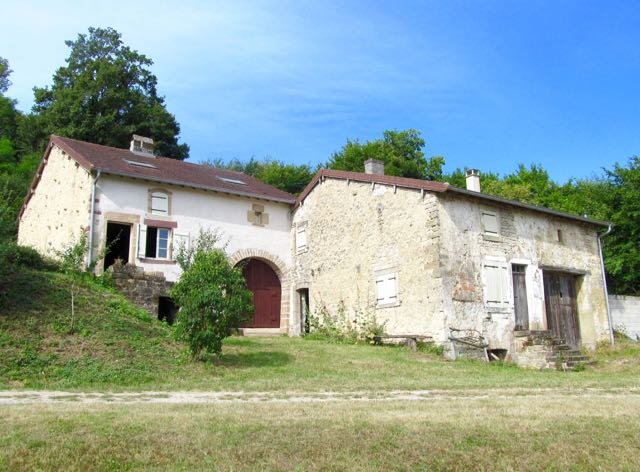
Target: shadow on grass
pixel 24 289
pixel 255 359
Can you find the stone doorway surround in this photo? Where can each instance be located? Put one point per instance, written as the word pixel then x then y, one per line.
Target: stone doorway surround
pixel 282 271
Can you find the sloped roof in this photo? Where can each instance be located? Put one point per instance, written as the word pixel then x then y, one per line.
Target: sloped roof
pixel 431 186
pixel 122 162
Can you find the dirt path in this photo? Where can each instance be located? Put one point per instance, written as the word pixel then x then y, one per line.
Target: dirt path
pixel 21 397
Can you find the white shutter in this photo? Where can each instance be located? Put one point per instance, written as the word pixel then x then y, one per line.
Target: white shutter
pixel 497 283
pixel 301 238
pixel 386 289
pixel 159 203
pixel 490 223
pixel 142 240
pixel 180 240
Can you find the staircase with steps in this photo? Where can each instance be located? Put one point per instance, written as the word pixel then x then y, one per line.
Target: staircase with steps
pixel 542 350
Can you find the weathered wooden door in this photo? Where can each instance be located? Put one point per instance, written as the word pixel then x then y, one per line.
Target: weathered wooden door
pixel 520 306
pixel 560 301
pixel 265 286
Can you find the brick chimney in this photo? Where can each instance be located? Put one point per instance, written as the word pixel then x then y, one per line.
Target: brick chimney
pixel 141 146
pixel 373 166
pixel 473 180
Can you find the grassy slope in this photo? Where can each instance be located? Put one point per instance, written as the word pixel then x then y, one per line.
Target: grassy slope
pixel 115 346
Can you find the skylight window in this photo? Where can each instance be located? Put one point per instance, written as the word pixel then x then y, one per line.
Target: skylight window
pixel 232 181
pixel 139 164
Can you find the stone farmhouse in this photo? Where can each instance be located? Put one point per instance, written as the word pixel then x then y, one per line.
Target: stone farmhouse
pixel 424 257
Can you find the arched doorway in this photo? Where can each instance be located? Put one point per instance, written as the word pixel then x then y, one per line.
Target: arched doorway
pixel 265 286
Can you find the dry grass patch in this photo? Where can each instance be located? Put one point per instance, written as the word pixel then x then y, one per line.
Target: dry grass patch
pixel 550 432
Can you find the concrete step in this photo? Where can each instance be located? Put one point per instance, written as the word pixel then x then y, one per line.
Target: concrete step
pixel 261 331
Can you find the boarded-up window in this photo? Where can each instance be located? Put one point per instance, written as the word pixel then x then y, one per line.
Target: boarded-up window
pixel 387 289
pixel 301 238
pixel 496 278
pixel 490 223
pixel 159 203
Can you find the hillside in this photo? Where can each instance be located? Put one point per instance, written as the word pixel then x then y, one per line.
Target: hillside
pixel 110 342
pixel 114 346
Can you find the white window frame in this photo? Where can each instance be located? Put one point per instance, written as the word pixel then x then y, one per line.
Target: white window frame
pixel 387 289
pixel 143 233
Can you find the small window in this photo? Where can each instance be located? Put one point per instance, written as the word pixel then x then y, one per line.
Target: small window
pixel 559 236
pixel 159 203
pixel 490 225
pixel 387 289
pixel 301 238
pixel 257 215
pixel 157 246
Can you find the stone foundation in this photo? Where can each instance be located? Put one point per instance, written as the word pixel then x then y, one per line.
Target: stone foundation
pixel 141 288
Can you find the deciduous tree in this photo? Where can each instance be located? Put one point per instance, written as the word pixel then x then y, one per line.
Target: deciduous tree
pixel 105 93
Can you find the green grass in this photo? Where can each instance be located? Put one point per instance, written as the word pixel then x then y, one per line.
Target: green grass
pixel 115 346
pixel 534 433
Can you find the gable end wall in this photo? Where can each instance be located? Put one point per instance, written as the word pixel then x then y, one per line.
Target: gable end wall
pixel 58 211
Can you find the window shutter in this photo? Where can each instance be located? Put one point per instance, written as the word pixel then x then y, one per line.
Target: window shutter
pixel 159 203
pixel 496 278
pixel 392 289
pixel 381 289
pixel 301 238
pixel 490 223
pixel 386 289
pixel 180 240
pixel 142 240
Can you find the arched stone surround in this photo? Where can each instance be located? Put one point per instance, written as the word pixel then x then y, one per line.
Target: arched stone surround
pixel 281 270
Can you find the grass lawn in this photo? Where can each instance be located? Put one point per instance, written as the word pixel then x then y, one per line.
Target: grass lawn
pixel 487 417
pixel 115 346
pixel 551 432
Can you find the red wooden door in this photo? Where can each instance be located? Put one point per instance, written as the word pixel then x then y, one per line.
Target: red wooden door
pixel 265 286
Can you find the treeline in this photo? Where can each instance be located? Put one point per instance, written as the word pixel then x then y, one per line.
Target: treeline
pixel 105 92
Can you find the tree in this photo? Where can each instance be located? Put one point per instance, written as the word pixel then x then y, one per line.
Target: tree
pixel 213 299
pixel 292 178
pixel 401 152
pixel 622 246
pixel 105 94
pixel 5 71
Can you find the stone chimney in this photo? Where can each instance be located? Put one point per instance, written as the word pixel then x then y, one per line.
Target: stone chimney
pixel 473 180
pixel 141 146
pixel 373 166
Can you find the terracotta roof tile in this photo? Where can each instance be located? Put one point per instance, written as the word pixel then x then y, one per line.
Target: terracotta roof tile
pixel 123 162
pixel 380 179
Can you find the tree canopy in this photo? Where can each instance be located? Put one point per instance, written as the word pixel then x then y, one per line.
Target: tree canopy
pixel 106 93
pixel 401 152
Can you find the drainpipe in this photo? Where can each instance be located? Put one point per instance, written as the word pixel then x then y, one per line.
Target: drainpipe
pixel 92 216
pixel 604 281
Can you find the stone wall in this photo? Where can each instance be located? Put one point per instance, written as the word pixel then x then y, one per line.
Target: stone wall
pixel 58 211
pixel 357 230
pixel 141 288
pixel 536 240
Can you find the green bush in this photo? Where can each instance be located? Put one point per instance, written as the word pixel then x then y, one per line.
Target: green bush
pixel 213 300
pixel 12 255
pixel 361 327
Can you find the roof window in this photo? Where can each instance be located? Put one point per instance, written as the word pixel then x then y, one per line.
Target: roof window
pixel 139 164
pixel 232 181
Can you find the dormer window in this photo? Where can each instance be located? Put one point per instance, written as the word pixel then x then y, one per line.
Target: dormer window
pixel 159 202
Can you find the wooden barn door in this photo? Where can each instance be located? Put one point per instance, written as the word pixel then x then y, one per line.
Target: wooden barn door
pixel 562 313
pixel 265 286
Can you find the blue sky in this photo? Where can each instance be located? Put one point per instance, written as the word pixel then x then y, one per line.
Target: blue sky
pixel 490 84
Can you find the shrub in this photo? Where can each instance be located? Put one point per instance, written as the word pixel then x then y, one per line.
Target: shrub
pixel 12 255
pixel 361 327
pixel 214 301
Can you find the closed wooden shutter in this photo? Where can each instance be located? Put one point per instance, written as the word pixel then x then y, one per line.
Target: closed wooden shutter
pixel 142 240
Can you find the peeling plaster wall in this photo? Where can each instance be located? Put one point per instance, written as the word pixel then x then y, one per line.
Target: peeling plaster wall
pixel 525 237
pixel 356 230
pixel 58 210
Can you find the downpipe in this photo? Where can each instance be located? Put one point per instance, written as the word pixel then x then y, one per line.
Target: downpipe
pixel 604 281
pixel 92 218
